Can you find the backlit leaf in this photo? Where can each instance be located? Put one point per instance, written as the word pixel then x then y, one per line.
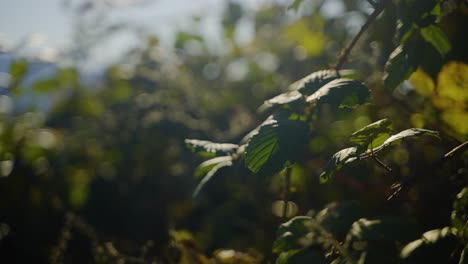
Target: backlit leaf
pixel 369 133
pixel 434 35
pixel 276 144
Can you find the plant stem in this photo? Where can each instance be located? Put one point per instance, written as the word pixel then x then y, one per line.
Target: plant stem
pixel 379 162
pixel 456 149
pixel 287 183
pixel 344 55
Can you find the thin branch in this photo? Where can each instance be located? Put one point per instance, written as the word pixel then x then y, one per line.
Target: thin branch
pixel 344 55
pixel 456 149
pixel 287 180
pixel 379 162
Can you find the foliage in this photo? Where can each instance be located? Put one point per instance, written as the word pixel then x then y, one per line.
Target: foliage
pixel 103 174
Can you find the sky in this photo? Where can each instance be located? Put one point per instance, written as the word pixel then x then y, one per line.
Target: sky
pixel 47 26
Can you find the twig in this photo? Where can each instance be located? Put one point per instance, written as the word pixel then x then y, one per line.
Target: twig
pixel 379 162
pixel 344 55
pixel 287 180
pixel 456 149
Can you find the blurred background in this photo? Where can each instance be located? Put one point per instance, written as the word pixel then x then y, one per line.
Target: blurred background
pixel 97 97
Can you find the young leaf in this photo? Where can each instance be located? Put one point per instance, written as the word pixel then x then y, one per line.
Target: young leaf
pixel 312 82
pixel 277 143
pixel 209 148
pixel 369 133
pixel 434 35
pixel 340 92
pixel 210 174
pixel 337 161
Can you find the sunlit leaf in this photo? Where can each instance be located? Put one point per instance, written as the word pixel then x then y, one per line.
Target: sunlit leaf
pixel 210 175
pixel 408 133
pixel 436 245
pixel 312 82
pixel 206 166
pixel 452 81
pixel 340 92
pixel 337 161
pixel 434 35
pixel 422 82
pixel 205 147
pixel 277 143
pixel 292 100
pixel 311 40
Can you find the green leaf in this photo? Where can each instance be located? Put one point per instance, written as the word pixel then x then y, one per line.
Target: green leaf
pixel 210 175
pixel 206 166
pixel 436 245
pixel 276 144
pixel 289 233
pixel 340 92
pixel 434 35
pixel 301 256
pixel 312 82
pixel 295 5
pixel 209 148
pixel 291 100
pixel 368 134
pixel 408 133
pixel 397 69
pixel 460 213
pixel 337 161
